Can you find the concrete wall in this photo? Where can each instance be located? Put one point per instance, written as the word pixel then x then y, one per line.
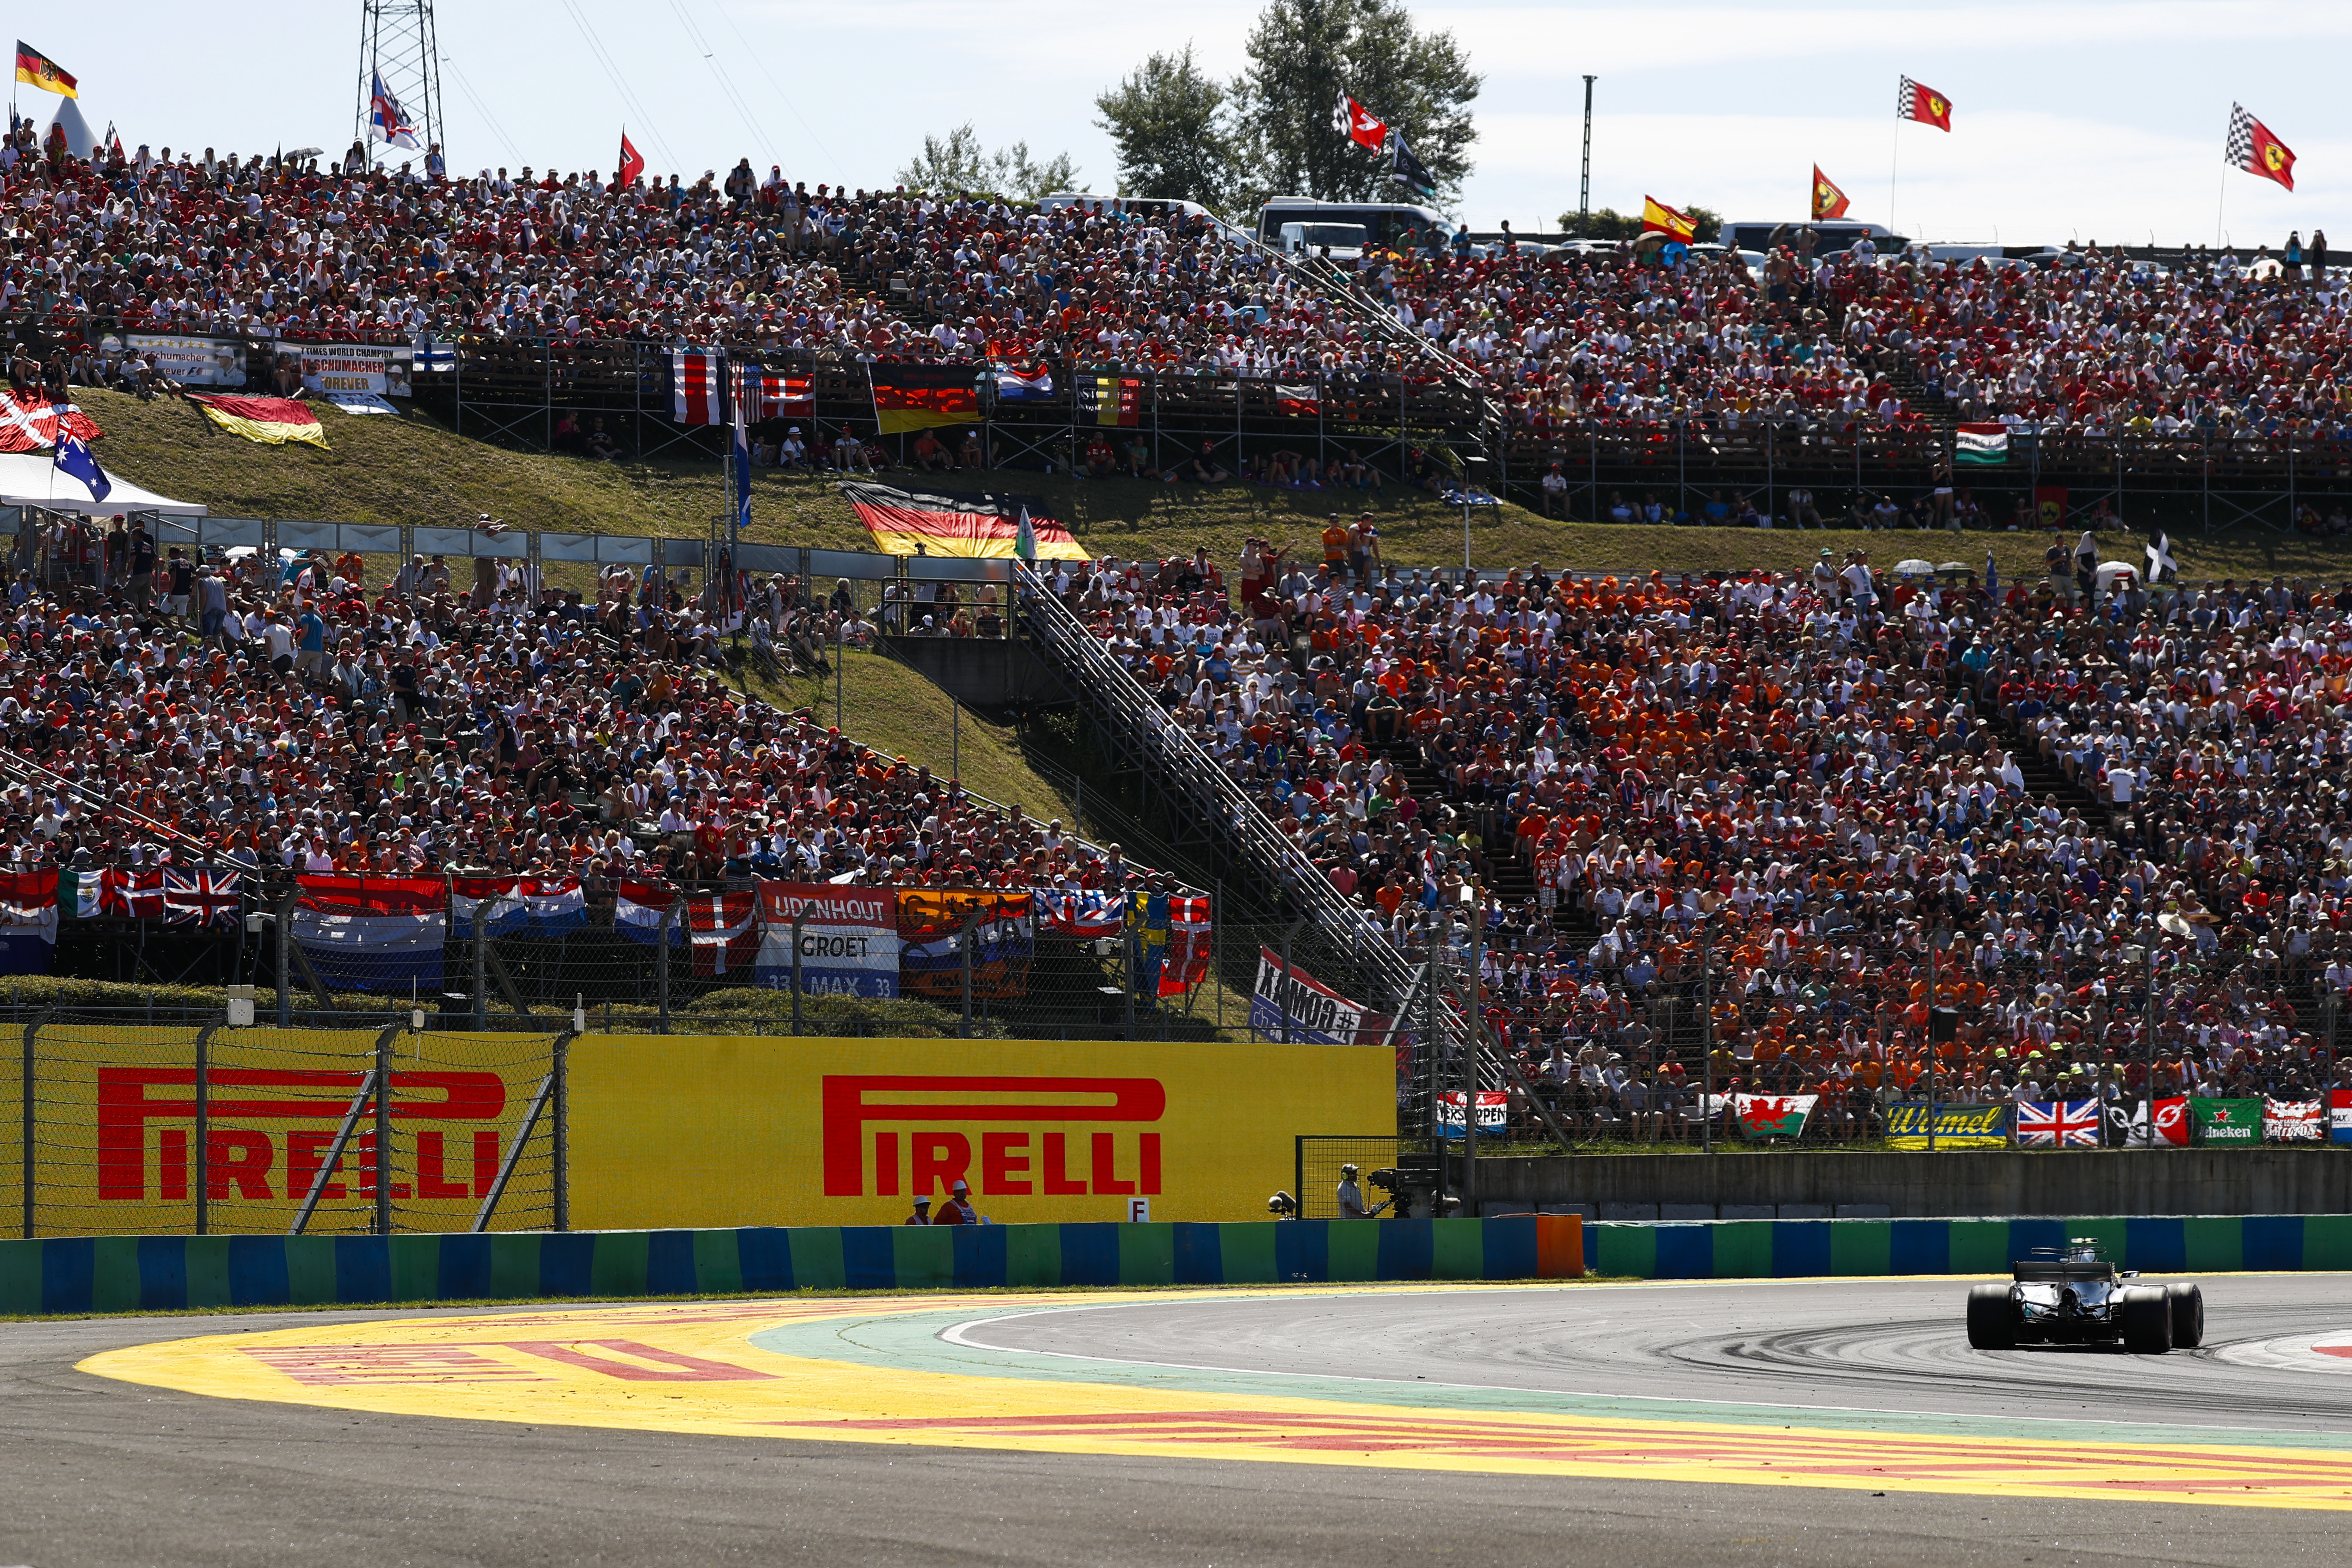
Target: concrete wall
pixel 1792 1184
pixel 981 674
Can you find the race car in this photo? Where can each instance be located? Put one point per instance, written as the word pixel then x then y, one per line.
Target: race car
pixel 2072 1296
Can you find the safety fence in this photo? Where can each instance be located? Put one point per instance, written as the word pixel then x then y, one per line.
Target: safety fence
pixel 127 1273
pixel 1782 1248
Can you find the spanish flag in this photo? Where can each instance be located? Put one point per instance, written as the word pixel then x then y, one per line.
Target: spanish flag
pixel 34 67
pixel 1659 218
pixel 923 397
pixel 272 421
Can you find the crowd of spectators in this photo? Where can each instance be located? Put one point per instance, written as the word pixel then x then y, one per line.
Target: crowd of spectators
pixel 290 716
pixel 1822 786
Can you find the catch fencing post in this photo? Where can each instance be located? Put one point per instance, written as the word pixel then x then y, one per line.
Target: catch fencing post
pixel 481 959
pixel 1282 985
pixel 286 959
pixel 384 1131
pixel 1706 1038
pixel 1470 1055
pixel 661 959
pixel 799 921
pixel 203 1126
pixel 562 1176
pixel 28 1084
pixel 964 941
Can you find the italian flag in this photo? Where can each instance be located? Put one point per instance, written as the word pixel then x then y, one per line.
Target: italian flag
pixel 1980 444
pixel 1772 1115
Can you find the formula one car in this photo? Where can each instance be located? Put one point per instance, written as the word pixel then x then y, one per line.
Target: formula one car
pixel 2072 1296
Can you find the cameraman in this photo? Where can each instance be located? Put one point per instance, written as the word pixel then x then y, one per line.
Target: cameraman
pixel 1350 1196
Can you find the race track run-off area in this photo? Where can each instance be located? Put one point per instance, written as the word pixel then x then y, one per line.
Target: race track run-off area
pixel 1824 1402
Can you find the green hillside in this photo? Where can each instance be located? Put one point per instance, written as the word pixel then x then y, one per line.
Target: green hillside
pixel 414 470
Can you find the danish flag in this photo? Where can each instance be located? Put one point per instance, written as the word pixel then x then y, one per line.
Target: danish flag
pixel 130 895
pixel 204 898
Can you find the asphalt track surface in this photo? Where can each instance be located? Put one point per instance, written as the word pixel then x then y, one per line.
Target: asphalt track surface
pixel 101 1472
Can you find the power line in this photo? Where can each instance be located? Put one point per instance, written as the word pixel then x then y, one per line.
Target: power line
pixel 497 130
pixel 620 85
pixel 773 84
pixel 725 84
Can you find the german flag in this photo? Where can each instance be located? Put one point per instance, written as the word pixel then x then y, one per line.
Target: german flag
pixel 37 68
pixel 988 527
pixel 924 396
pixel 272 421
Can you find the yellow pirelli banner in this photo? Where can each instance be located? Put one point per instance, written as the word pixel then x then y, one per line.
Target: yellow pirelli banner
pixel 684 1132
pixel 116 1128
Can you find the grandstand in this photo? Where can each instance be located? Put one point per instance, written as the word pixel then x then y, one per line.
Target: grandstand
pixel 1837 831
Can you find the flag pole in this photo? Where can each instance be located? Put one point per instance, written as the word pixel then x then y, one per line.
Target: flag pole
pixel 1894 161
pixel 2218 203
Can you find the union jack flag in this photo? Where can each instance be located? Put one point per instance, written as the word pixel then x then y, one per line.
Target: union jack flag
pixel 2058 1124
pixel 206 899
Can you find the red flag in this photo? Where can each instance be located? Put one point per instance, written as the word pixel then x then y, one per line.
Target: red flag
pixel 1828 200
pixel 1356 123
pixel 633 162
pixel 2254 149
pixel 1923 104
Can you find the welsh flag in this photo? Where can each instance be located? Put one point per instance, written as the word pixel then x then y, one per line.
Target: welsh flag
pixel 2295 1120
pixel 1772 1115
pixel 2227 1121
pixel 1980 444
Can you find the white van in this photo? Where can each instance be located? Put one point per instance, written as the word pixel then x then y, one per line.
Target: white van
pixel 1396 224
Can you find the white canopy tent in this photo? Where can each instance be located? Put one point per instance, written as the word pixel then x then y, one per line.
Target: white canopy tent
pixel 31 479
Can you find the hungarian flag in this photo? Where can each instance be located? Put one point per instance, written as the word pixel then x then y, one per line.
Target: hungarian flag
pixel 1922 104
pixel 1109 399
pixel 1981 443
pixel 633 162
pixel 1354 121
pixel 2252 148
pixel 923 397
pixel 1659 218
pixel 2171 1122
pixel 38 70
pixel 1772 1115
pixel 984 526
pixel 2293 1120
pixel 1303 399
pixel 272 421
pixel 1828 200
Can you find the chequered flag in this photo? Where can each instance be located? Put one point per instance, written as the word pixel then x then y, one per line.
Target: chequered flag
pixel 2241 152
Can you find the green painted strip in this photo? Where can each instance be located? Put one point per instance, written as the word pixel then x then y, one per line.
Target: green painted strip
pixel 1147 1254
pixel 1980 1247
pixel 1246 1246
pixel 718 1262
pixel 1862 1246
pixel 114 1274
pixel 1353 1252
pixel 922 1256
pixel 1032 1255
pixel 310 1271
pixel 2109 1233
pixel 910 1341
pixel 1628 1250
pixel 817 1257
pixel 514 1263
pixel 207 1261
pixel 1458 1249
pixel 2213 1246
pixel 416 1267
pixel 1743 1249
pixel 618 1267
pixel 2326 1241
pixel 20 1277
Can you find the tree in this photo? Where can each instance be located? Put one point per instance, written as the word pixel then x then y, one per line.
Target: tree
pixel 1608 223
pixel 1167 120
pixel 1303 55
pixel 957 166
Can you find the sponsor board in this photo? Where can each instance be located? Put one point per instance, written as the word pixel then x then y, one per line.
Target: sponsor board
pixel 1955 1126
pixel 731 1130
pixel 116 1118
pixel 2227 1122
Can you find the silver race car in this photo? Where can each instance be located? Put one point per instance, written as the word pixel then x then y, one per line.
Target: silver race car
pixel 2072 1296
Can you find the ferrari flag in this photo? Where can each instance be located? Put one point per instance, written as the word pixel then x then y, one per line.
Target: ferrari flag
pixel 1915 100
pixel 1659 218
pixel 37 69
pixel 2252 148
pixel 923 397
pixel 1828 200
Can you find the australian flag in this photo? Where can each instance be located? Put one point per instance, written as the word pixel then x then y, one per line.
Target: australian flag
pixel 1407 170
pixel 74 456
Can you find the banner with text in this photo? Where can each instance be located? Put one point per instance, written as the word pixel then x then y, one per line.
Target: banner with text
pixel 1293 999
pixel 848 943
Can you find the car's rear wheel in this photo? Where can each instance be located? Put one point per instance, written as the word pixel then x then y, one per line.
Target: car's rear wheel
pixel 2145 1314
pixel 2188 1303
pixel 1993 1318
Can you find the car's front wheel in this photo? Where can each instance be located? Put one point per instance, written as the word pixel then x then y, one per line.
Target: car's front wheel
pixel 1993 1318
pixel 2188 1303
pixel 2144 1313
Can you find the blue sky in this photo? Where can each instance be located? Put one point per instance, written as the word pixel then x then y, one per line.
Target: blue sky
pixel 2074 117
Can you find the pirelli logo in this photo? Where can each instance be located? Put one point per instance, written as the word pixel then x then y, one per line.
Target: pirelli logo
pixel 1009 1137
